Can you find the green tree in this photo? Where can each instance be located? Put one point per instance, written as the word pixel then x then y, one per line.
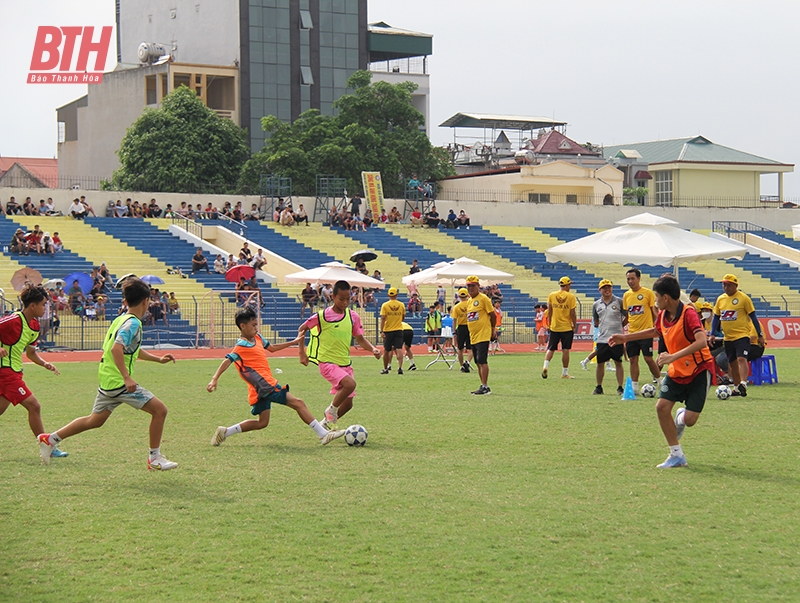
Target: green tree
pixel 182 147
pixel 377 129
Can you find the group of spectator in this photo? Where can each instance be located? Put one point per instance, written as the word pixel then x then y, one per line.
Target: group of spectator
pixel 35 240
pixel 28 208
pixel 418 188
pixel 285 215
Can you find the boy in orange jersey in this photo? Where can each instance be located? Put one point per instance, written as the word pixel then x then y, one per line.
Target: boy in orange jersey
pixel 250 356
pixel 690 364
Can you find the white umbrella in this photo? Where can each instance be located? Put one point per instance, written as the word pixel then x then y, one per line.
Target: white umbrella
pixel 330 272
pixel 644 239
pixel 419 277
pixel 460 269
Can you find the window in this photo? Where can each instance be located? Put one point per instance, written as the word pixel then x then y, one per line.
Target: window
pixel 664 188
pixel 306 22
pixel 572 199
pixel 306 77
pixel 538 197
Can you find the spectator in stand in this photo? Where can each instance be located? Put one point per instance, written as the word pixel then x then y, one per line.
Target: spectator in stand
pixel 120 210
pixel 451 220
pixel 416 218
pixel 50 208
pixel 153 210
pixel 427 190
pixel 19 243
pixel 377 275
pixel 58 245
pixel 463 219
pixel 28 208
pixel 199 262
pixel 287 219
pixel 309 298
pixel 47 244
pixel 432 218
pixel 415 305
pixel 129 206
pixel 103 271
pixel 361 266
pixel 348 221
pixel 414 185
pixel 254 214
pixel 394 216
pixel 110 209
pixel 259 259
pixel 326 294
pixel 355 205
pixel 231 262
pixel 219 265
pixel 136 210
pixel 367 220
pixel 97 282
pixel 13 207
pixel 76 298
pixel 227 210
pixel 248 255
pixel 77 210
pixel 156 309
pixel 182 210
pixel 211 212
pixel 242 261
pixel 238 212
pixel 414 267
pixel 300 215
pixel 358 223
pixel 383 218
pixel 86 207
pixel 190 212
pixel 174 306
pixel 34 239
pixel 42 209
pixel 241 292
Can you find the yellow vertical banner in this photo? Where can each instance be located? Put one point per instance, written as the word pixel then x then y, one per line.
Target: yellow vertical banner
pixel 373 191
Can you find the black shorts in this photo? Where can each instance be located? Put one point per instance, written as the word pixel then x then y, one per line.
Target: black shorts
pixel 393 340
pixel 480 352
pixel 462 335
pixel 693 394
pixel 756 352
pixel 408 337
pixel 738 348
pixel 606 352
pixel 564 337
pixel 643 346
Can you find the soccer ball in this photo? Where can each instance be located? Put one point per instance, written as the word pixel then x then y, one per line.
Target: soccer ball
pixel 723 392
pixel 649 390
pixel 355 435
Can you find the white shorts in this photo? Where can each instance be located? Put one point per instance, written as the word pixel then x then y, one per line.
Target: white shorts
pixel 109 400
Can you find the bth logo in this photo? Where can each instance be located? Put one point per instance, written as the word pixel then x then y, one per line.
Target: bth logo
pixel 54 50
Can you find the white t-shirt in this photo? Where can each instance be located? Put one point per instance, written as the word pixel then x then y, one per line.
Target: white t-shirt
pixel 76 207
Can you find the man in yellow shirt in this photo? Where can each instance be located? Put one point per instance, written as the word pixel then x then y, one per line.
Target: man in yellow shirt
pixel 561 315
pixel 640 304
pixel 481 321
pixel 459 314
pixel 735 313
pixel 392 314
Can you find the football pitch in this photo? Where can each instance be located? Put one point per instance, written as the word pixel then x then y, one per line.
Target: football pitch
pixel 539 492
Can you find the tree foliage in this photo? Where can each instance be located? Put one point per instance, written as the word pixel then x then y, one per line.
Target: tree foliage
pixel 377 129
pixel 182 147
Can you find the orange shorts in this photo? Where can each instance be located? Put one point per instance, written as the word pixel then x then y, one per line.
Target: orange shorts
pixel 12 387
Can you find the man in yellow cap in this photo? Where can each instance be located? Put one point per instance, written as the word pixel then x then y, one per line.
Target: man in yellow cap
pixel 609 318
pixel 459 314
pixel 481 321
pixel 392 314
pixel 735 313
pixel 561 315
pixel 640 304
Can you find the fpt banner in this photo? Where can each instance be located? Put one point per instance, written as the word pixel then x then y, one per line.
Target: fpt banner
pixel 373 191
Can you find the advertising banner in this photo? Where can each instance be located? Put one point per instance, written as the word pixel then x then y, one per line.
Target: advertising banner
pixel 373 191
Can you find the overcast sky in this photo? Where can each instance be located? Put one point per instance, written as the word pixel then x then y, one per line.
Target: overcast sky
pixel 617 72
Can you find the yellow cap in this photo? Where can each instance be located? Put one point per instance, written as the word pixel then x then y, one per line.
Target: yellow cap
pixel 730 278
pixel 473 279
pixel 605 282
pixel 463 292
pixel 392 291
pixel 564 280
pixel 706 306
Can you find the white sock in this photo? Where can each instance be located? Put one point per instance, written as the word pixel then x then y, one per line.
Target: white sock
pixel 676 450
pixel 318 429
pixel 232 430
pixel 154 452
pixel 635 386
pixel 586 360
pixel 55 439
pixel 565 371
pixel 546 364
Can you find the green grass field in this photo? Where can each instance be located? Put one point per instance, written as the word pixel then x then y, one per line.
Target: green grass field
pixel 540 492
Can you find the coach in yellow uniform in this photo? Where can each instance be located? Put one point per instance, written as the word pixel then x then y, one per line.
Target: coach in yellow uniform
pixel 392 314
pixel 561 315
pixel 640 305
pixel 481 321
pixel 459 314
pixel 735 312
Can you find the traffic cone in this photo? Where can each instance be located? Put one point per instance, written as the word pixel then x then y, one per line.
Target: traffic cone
pixel 629 394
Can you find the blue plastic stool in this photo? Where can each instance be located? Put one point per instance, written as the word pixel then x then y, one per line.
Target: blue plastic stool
pixel 764 370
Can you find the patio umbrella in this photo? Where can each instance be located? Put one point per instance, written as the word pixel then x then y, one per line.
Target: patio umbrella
pixel 242 271
pixel 365 255
pixel 330 272
pixel 152 279
pixel 54 282
pixel 458 270
pixel 85 281
pixel 419 277
pixel 644 239
pixel 25 275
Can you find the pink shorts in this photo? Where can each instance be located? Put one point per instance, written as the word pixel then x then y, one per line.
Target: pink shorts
pixel 334 375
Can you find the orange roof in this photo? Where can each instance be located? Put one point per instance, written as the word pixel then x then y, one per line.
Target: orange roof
pixel 43 168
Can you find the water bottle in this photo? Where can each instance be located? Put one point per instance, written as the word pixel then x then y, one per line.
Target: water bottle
pixel 5 248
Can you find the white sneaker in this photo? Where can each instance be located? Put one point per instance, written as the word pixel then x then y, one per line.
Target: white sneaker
pixel 329 420
pixel 331 436
pixel 219 435
pixel 584 362
pixel 45 447
pixel 160 463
